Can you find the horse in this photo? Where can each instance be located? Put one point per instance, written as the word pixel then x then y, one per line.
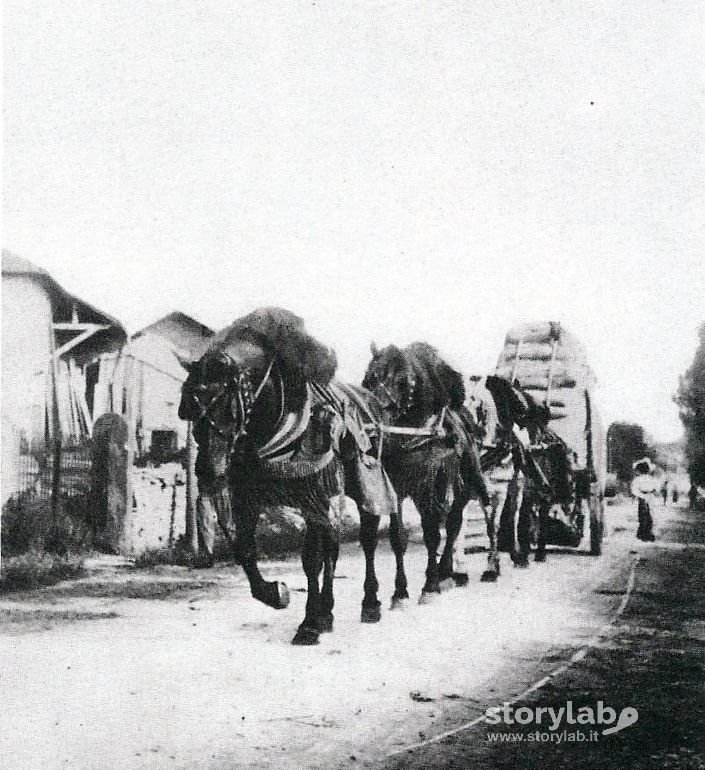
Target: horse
pixel 273 427
pixel 552 495
pixel 516 436
pixel 500 412
pixel 430 454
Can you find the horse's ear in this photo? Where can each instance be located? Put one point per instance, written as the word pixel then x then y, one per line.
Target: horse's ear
pixel 374 349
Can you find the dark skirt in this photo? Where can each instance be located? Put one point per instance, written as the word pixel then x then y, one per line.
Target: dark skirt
pixel 645 521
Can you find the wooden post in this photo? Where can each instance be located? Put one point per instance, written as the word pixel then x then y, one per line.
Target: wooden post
pixel 191 532
pixel 128 383
pixel 56 434
pixel 108 482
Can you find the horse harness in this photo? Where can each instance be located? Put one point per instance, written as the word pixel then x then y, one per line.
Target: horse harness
pixel 240 388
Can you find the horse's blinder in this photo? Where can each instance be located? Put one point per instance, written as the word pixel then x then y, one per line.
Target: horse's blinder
pixel 242 399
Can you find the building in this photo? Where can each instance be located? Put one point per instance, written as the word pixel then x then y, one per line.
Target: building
pixel 52 342
pixel 143 382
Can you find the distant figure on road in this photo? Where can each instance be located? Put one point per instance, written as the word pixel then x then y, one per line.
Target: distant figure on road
pixel 664 491
pixel 692 495
pixel 675 494
pixel 644 487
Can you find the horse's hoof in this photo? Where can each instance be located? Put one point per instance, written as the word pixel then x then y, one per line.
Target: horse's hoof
pixel 539 557
pixel 371 614
pixel 428 597
pixel 325 623
pixel 489 576
pixel 447 584
pixel 461 579
pixel 305 636
pixel 399 603
pixel 520 561
pixel 275 595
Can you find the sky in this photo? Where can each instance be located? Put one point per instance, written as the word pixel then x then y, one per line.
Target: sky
pixel 390 171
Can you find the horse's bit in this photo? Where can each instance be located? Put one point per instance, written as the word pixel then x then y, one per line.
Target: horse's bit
pixel 245 401
pixel 401 409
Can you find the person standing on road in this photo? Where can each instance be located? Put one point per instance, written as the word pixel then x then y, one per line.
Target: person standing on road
pixel 664 491
pixel 644 488
pixel 692 495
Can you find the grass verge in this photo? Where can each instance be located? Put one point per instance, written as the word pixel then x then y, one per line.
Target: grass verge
pixel 34 570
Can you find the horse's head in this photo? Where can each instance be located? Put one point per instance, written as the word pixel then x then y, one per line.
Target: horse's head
pixel 229 392
pixel 390 376
pixel 219 396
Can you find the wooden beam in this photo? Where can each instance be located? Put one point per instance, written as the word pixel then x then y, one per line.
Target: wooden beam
pixel 79 338
pixel 61 326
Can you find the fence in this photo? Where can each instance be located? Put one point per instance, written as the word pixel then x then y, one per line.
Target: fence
pixel 47 492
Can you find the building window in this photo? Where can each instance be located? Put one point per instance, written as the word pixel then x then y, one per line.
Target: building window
pixel 164 445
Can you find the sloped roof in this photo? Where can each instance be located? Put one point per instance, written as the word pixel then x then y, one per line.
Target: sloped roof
pixel 183 332
pixel 63 302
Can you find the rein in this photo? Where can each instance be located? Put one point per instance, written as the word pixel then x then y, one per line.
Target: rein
pixel 245 400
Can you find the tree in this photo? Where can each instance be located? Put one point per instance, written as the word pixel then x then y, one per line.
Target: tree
pixel 626 443
pixel 691 406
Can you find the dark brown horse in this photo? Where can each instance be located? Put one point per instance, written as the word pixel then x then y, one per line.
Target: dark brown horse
pixel 552 493
pixel 429 453
pixel 542 481
pixel 274 428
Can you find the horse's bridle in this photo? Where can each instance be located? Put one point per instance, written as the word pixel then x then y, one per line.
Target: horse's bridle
pixel 401 409
pixel 242 385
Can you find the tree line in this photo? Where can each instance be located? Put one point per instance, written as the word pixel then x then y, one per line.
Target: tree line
pixel 690 399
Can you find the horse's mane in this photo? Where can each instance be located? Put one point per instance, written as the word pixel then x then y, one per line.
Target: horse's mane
pixel 437 383
pixel 300 357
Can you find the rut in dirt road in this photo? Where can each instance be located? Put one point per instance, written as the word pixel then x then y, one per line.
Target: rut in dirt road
pixel 652 661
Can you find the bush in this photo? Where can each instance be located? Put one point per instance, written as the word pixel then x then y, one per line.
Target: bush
pixel 178 555
pixel 28 525
pixel 33 570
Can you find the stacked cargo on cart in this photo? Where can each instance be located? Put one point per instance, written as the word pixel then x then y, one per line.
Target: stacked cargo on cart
pixel 551 364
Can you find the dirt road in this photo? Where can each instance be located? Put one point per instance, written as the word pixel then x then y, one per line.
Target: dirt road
pixel 180 668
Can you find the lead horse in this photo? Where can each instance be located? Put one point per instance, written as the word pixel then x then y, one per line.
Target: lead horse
pixel 274 428
pixel 430 454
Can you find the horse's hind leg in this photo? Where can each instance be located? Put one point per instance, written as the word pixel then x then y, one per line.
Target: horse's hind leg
pixel 490 512
pixel 369 529
pixel 454 524
pixel 399 539
pixel 544 509
pixel 311 557
pixel 521 522
pixel 331 548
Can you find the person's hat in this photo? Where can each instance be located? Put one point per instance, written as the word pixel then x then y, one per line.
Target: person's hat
pixel 644 465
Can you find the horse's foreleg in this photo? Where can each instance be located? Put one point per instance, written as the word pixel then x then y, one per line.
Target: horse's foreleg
pixel 312 560
pixel 454 524
pixel 273 594
pixel 399 539
pixel 490 513
pixel 432 538
pixel 369 528
pixel 331 547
